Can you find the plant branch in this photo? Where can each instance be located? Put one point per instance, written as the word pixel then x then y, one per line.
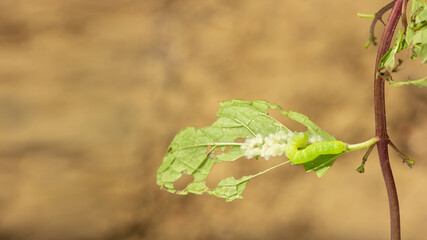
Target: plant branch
pixel 378 17
pixel 404 20
pixel 380 120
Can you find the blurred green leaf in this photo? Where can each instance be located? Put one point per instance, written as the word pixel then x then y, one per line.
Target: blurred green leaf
pixel 417 30
pixel 417 82
pixel 413 37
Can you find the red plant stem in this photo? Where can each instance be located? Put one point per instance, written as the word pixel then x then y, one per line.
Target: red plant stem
pixel 380 121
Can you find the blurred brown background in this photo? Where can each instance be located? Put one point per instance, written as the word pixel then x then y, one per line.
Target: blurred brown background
pixel 92 93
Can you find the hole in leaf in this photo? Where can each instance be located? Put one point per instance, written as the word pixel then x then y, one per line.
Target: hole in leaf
pixel 221 149
pixel 215 152
pixel 239 168
pixel 182 182
pixel 224 170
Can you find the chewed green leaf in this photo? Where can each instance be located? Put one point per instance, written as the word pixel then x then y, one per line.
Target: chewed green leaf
pixel 417 82
pixel 195 151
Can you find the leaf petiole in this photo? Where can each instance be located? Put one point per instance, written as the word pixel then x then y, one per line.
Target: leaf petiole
pixel 358 146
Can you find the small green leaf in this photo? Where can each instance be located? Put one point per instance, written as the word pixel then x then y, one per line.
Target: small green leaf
pixel 231 188
pixel 321 164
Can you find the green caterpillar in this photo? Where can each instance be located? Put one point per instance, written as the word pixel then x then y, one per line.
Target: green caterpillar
pixel 298 150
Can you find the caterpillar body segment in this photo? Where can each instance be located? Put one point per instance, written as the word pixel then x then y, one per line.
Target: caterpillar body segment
pixel 298 150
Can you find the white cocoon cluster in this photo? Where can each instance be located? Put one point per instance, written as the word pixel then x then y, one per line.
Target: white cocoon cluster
pixel 271 146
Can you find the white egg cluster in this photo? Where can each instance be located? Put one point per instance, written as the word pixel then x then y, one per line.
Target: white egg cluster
pixel 271 146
